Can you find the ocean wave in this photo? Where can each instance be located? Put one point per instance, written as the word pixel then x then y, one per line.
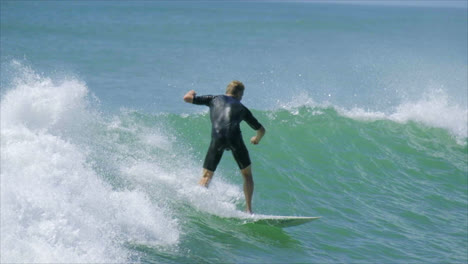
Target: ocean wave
pixel 79 186
pixel 55 206
pixel 434 109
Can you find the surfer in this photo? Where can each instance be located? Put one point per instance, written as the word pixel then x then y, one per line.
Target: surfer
pixel 226 113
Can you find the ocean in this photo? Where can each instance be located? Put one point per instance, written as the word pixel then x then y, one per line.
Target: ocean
pixel 365 107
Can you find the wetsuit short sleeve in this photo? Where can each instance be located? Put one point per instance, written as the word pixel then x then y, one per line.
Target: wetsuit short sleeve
pixel 203 100
pixel 251 120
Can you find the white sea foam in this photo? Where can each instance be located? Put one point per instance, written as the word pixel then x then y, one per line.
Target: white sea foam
pixel 54 206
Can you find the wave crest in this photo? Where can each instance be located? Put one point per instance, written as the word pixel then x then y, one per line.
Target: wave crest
pixel 434 109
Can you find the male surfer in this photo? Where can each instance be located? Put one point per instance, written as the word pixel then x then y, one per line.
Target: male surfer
pixel 226 113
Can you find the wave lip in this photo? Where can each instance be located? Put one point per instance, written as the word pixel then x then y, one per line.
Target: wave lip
pixel 433 109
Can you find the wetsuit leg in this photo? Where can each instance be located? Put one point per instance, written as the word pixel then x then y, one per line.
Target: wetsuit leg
pixel 213 155
pixel 240 153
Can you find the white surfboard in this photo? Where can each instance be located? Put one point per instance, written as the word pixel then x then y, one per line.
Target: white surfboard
pixel 279 220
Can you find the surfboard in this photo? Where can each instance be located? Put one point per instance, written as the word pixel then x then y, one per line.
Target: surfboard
pixel 279 220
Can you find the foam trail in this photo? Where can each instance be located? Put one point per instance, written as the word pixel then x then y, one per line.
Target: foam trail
pixel 160 165
pixel 173 177
pixel 55 207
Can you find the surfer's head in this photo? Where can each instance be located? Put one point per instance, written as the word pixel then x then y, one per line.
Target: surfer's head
pixel 235 89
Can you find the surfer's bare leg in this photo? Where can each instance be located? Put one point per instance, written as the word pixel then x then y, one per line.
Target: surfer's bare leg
pixel 248 187
pixel 206 178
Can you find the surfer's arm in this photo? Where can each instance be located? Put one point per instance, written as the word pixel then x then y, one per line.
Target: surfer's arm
pixel 191 97
pixel 260 133
pixel 254 124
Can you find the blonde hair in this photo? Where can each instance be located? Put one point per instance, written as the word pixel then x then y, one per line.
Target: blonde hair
pixel 235 87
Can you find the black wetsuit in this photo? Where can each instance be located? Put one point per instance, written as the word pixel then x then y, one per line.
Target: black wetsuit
pixel 226 113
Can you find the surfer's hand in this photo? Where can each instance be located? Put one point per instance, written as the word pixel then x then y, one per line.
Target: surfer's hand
pixel 188 97
pixel 254 140
pixel 260 133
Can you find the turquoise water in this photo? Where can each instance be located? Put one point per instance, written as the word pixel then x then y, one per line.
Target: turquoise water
pixel 365 108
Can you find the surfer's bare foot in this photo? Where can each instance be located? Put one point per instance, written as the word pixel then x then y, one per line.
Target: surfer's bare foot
pixel 204 182
pixel 206 178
